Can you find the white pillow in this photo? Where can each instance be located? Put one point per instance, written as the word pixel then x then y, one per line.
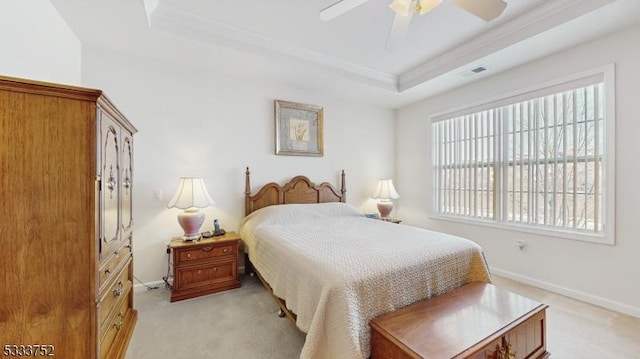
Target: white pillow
pixel 298 213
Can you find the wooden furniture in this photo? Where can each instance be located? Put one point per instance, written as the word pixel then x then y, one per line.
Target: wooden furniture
pixel 477 321
pixel 392 220
pixel 206 266
pixel 338 270
pixel 66 156
pixel 298 190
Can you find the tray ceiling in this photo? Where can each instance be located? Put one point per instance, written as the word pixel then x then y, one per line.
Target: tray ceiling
pixel 438 53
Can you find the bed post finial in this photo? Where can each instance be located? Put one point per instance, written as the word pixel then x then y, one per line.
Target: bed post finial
pixel 247 192
pixel 343 189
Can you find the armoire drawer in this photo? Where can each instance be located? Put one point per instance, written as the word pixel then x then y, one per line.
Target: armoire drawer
pixel 109 267
pixel 116 322
pixel 113 295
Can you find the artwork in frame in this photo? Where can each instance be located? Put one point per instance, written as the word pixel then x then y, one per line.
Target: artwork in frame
pixel 298 129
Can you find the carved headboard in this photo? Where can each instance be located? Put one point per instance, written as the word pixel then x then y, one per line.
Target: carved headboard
pixel 298 190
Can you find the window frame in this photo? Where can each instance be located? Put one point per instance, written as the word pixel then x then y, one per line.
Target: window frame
pixel 607 236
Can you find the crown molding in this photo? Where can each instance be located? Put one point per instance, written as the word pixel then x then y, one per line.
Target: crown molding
pixel 550 14
pixel 542 18
pixel 168 18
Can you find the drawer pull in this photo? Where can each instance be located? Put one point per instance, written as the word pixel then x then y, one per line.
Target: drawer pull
pixel 225 250
pixel 118 292
pixel 117 325
pixel 116 252
pixel 107 271
pixel 507 353
pixel 215 269
pixel 207 249
pixel 188 255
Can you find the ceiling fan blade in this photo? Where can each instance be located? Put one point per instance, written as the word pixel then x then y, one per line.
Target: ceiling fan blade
pixel 339 8
pixel 398 30
pixel 484 9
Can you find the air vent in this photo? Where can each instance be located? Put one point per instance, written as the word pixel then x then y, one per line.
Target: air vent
pixel 474 71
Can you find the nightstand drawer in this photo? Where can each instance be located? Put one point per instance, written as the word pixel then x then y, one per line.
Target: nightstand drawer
pixel 205 275
pixel 206 251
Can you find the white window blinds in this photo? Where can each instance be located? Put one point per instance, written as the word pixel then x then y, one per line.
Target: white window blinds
pixel 536 160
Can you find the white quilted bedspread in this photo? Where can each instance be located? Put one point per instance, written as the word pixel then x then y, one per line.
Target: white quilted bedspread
pixel 337 269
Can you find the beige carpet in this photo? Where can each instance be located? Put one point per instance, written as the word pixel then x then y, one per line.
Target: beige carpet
pixel 238 324
pixel 243 324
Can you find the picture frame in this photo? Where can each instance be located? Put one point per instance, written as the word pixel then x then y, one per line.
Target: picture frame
pixel 298 129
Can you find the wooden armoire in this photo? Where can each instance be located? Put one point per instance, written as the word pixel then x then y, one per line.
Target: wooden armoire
pixel 66 157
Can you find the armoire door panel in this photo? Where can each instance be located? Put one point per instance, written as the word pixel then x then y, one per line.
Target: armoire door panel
pixel 110 185
pixel 126 181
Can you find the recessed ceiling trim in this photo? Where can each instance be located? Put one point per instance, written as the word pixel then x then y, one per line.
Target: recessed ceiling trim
pixel 548 15
pixel 170 19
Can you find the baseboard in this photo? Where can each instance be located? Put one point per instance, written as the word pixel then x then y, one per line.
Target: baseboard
pixel 140 287
pixel 571 293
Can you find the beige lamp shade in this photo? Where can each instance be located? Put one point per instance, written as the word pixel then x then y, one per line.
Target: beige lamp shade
pixel 191 192
pixel 191 195
pixel 385 192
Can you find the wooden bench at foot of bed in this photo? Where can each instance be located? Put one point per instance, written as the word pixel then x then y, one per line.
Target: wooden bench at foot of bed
pixel 477 321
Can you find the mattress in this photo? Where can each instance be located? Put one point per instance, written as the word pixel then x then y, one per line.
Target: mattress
pixel 337 269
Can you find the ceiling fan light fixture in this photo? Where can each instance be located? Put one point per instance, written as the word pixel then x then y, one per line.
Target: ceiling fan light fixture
pixel 427 5
pixel 401 7
pixel 484 9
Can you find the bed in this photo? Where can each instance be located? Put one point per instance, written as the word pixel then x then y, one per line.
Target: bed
pixel 332 269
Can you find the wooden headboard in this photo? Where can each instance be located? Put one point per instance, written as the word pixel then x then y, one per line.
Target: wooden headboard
pixel 298 190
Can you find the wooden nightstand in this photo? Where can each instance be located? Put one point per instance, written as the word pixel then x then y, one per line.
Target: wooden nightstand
pixel 392 220
pixel 206 266
pixel 376 216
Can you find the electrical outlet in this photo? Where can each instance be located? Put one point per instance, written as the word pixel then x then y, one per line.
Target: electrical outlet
pixel 522 244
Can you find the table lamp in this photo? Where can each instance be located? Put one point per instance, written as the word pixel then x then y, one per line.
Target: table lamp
pixel 385 192
pixel 190 196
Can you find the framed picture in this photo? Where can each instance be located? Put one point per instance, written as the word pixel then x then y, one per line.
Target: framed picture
pixel 298 129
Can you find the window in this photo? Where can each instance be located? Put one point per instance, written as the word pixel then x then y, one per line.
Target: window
pixel 537 161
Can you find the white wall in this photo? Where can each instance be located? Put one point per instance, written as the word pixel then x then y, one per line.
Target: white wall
pixel 36 43
pixel 213 125
pixel 601 274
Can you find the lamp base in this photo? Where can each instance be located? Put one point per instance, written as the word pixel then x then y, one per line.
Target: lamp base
pixel 191 220
pixel 385 208
pixel 191 239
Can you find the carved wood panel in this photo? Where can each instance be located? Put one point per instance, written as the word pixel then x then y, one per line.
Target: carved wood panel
pixel 110 185
pixel 126 182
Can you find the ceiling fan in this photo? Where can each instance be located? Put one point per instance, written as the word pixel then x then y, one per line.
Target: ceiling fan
pixel 404 9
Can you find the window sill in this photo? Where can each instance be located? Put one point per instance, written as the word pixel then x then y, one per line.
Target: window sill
pixel 605 239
